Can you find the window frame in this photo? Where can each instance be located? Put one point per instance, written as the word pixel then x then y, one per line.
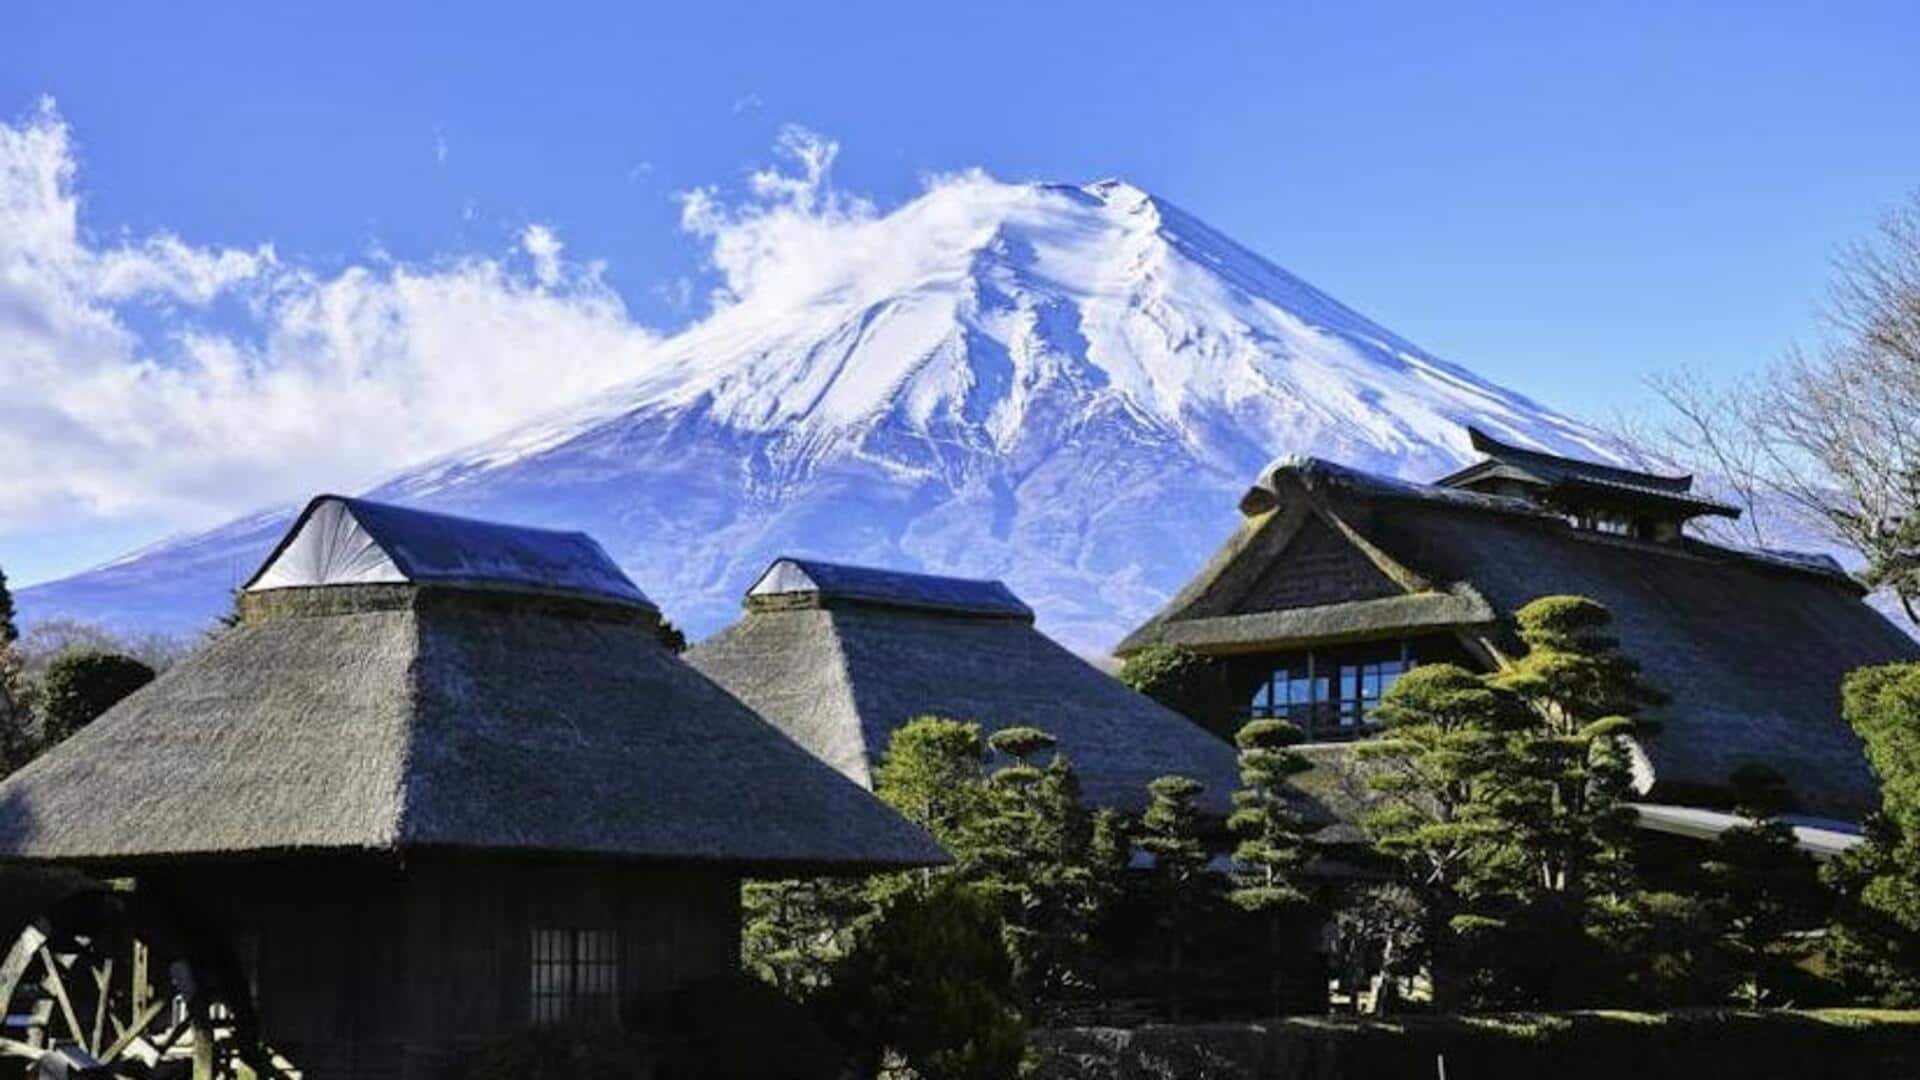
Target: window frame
pixel 573 974
pixel 1330 694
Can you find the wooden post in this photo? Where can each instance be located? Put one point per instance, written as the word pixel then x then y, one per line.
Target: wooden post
pixel 202 1050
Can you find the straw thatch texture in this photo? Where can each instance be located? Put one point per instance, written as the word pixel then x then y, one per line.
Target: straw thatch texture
pixel 840 677
pixel 439 719
pixel 1751 646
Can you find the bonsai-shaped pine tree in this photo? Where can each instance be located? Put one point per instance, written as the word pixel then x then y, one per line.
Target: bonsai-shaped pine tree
pixel 1875 939
pixel 1274 846
pixel 1170 832
pixel 1034 850
pixel 1760 887
pixel 795 931
pixel 1445 776
pixel 1586 694
pixel 934 772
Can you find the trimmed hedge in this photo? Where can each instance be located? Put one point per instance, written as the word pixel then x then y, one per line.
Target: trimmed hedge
pixel 1833 1044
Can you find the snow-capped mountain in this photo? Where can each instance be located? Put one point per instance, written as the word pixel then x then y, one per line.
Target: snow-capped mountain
pixel 1066 387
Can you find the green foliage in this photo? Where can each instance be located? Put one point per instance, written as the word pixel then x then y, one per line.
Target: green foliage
pixel 1662 948
pixel 1170 832
pixel 1032 873
pixel 1875 939
pixel 1270 859
pixel 9 629
pixel 1760 888
pixel 794 932
pixel 929 985
pixel 1586 694
pixel 79 686
pixel 934 772
pixel 1444 771
pixel 1378 930
pixel 1033 850
pixel 1692 1045
pixel 17 698
pixel 1183 681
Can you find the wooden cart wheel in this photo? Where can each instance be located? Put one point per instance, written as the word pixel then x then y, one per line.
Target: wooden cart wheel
pixel 104 986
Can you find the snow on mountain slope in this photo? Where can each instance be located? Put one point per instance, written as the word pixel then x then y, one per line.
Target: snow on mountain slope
pixel 1067 387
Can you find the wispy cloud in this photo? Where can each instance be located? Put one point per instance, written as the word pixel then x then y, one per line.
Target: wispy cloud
pixel 746 103
pixel 158 380
pixel 152 377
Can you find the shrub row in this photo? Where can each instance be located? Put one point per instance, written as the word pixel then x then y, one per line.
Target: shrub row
pixel 1832 1044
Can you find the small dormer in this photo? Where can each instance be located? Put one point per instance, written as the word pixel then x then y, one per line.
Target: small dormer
pixel 1589 494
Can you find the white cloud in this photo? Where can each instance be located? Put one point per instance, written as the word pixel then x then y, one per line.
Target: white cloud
pixel 544 248
pixel 799 241
pixel 265 381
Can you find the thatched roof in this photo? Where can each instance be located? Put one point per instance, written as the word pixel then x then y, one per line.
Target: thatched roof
pixel 1751 646
pixel 840 671
pixel 395 717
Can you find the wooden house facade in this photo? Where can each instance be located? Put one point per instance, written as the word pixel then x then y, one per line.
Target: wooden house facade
pixel 1337 581
pixel 442 782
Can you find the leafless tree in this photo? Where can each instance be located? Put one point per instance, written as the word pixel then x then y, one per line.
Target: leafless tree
pixel 1832 433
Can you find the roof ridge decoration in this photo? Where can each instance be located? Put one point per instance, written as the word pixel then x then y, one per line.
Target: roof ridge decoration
pixel 797 582
pixel 343 541
pixel 1583 478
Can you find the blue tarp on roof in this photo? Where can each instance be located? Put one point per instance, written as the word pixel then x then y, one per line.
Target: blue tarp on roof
pixel 870 584
pixel 341 541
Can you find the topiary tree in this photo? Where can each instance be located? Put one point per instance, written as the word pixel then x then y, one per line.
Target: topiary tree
pixel 934 772
pixel 79 686
pixel 1170 832
pixel 1760 888
pixel 1586 694
pixel 794 932
pixel 1274 846
pixel 1448 789
pixel 1875 938
pixel 1035 854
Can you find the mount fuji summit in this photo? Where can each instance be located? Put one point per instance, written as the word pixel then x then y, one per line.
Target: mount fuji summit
pixel 1064 387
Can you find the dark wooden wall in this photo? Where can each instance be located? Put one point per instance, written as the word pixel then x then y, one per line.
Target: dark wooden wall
pixel 366 969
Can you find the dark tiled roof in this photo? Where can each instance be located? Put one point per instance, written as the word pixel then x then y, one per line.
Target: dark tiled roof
pixel 1590 477
pixel 824 583
pixel 341 540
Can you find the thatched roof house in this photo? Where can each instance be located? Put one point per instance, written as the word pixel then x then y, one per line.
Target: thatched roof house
pixel 839 656
pixel 409 680
pixel 445 779
pixel 1338 580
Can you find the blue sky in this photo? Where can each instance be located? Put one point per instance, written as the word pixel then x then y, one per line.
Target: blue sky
pixel 1564 198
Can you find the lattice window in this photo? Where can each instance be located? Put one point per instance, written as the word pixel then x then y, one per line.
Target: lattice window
pixel 576 975
pixel 1331 696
